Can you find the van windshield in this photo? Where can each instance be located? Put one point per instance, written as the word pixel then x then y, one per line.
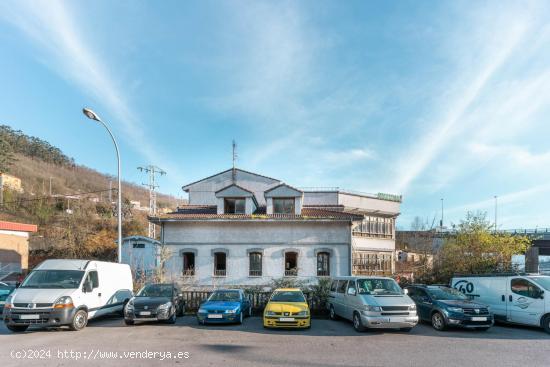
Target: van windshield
pixel 53 279
pixel 544 282
pixel 378 286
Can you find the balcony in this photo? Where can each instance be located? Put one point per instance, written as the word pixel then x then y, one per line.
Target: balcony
pixel 220 272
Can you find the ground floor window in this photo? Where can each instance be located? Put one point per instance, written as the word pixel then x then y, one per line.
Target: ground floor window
pixel 291 264
pixel 255 264
pixel 323 264
pixel 188 263
pixel 220 264
pixel 372 263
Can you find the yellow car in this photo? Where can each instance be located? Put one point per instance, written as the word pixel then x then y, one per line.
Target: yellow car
pixel 287 308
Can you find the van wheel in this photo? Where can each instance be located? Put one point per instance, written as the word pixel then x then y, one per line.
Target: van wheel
pixel 438 322
pixel 332 313
pixel 357 323
pixel 17 328
pixel 172 319
pixel 80 320
pixel 546 323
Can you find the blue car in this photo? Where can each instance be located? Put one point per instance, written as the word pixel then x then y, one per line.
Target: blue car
pixel 447 307
pixel 225 306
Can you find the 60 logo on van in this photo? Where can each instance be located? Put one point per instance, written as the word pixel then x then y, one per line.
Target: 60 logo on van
pixel 464 286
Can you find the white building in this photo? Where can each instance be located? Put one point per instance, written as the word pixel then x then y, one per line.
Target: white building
pixel 241 228
pixel 142 254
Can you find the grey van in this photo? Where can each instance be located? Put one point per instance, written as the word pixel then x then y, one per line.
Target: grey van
pixel 371 302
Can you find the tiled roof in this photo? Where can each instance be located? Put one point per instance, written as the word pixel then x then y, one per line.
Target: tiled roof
pixel 18 227
pixel 210 213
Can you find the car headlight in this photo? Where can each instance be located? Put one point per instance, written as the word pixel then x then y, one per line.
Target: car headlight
pixel 64 302
pixel 455 309
pixel 302 313
pixel 130 305
pixel 165 306
pixel 232 311
pixel 270 313
pixel 372 308
pixel 8 303
pixel 202 310
pixel 412 308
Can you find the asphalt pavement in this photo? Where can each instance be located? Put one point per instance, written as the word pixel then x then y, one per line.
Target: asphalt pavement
pixel 108 342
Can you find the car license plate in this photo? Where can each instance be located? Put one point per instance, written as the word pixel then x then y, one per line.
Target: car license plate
pixel 29 317
pixel 214 316
pixel 479 319
pixel 145 313
pixel 284 319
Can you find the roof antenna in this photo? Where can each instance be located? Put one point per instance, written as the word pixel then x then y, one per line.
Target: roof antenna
pixel 234 173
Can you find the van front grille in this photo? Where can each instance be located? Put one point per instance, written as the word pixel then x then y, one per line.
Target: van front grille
pixel 33 305
pixel 395 308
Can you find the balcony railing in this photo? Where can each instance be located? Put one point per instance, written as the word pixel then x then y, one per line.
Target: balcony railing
pixel 255 273
pixel 323 273
pixel 291 272
pixel 372 234
pixel 219 272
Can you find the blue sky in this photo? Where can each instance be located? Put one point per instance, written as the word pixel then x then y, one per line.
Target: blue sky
pixel 429 99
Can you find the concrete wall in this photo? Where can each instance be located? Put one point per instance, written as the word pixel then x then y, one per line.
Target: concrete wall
pixel 321 198
pixel 14 248
pixel 375 244
pixel 203 193
pixel 140 259
pixel 273 238
pixel 368 204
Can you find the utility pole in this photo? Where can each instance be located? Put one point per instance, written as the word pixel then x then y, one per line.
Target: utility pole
pixel 152 171
pixel 234 174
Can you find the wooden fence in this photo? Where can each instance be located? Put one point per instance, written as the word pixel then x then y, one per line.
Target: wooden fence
pixel 258 300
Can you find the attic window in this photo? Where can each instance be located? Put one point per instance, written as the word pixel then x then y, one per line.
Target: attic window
pixel 283 205
pixel 234 205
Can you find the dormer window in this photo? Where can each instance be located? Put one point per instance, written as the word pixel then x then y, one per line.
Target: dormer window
pixel 283 205
pixel 234 205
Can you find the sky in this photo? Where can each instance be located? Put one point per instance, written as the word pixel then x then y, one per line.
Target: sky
pixel 427 99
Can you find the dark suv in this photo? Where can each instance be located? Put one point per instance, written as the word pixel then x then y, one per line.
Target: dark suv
pixel 447 307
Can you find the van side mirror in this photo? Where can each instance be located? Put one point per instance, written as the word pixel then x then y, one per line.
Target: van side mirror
pixel 87 288
pixel 405 291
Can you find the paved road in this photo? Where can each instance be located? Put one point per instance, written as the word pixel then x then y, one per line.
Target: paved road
pixel 327 343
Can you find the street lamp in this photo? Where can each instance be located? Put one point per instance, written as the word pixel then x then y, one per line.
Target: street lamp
pixel 93 116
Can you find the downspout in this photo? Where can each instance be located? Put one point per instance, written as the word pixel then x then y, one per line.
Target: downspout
pixel 350 249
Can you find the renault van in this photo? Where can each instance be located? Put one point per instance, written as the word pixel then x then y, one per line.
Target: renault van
pixel 68 293
pixel 514 298
pixel 371 302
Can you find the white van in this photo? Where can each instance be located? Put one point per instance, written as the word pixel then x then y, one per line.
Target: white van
pixel 371 302
pixel 68 292
pixel 513 298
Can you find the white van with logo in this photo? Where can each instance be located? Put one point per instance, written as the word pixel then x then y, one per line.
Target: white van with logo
pixel 68 293
pixel 515 298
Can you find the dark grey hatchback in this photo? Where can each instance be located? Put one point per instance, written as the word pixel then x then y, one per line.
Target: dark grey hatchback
pixel 446 307
pixel 155 302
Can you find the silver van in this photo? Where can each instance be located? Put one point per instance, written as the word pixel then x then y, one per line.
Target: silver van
pixel 371 302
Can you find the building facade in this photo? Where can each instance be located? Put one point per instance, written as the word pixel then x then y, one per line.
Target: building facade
pixel 142 254
pixel 242 228
pixel 14 249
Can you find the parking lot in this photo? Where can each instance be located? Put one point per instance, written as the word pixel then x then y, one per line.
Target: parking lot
pixel 327 343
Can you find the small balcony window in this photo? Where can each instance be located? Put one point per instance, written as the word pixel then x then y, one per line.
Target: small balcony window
pixel 323 264
pixel 188 263
pixel 291 264
pixel 255 267
pixel 234 205
pixel 220 264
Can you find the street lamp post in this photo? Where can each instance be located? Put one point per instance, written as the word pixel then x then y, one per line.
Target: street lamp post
pixel 93 116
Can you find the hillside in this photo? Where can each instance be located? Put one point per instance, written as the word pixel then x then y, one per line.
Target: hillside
pixel 76 218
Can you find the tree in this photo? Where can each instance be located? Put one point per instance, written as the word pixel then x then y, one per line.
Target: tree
pixel 476 249
pixel 6 155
